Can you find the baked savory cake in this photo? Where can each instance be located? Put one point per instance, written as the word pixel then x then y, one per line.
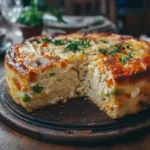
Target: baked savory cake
pixel 112 71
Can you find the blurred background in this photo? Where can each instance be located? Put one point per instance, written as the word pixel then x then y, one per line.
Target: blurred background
pixel 21 19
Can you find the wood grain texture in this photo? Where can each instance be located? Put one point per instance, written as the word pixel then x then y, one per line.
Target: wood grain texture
pixel 12 140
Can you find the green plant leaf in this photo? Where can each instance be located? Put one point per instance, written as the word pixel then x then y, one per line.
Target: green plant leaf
pixel 31 17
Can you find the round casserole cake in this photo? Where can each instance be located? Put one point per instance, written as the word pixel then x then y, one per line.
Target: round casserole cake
pixel 112 71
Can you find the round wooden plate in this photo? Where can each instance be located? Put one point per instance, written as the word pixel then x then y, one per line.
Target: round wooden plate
pixel 77 121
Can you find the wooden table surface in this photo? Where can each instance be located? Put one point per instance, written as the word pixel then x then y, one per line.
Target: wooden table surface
pixel 12 140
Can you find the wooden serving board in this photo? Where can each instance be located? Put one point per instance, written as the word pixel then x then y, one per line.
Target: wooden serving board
pixel 77 121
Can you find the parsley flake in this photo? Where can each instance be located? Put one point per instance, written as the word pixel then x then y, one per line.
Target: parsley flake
pixel 111 53
pixel 58 42
pixel 77 45
pixel 103 51
pixel 72 46
pixel 114 51
pixel 125 59
pixel 84 43
pixel 128 46
pixel 47 40
pixel 38 63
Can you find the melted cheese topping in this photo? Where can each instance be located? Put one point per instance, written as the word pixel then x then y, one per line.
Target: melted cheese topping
pixel 123 55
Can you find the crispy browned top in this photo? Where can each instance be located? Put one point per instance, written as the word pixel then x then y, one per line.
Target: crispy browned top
pixel 125 56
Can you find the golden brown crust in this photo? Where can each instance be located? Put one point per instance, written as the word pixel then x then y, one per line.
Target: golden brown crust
pixel 132 74
pixel 10 61
pixel 138 67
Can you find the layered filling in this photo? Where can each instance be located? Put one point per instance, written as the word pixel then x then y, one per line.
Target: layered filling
pixel 74 66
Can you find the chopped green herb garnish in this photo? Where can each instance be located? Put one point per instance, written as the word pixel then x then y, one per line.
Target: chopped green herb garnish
pixel 47 40
pixel 25 98
pixel 77 45
pixel 58 42
pixel 103 51
pixel 125 59
pixel 37 89
pixel 124 46
pixel 84 43
pixel 38 63
pixel 72 46
pixel 52 74
pixel 114 51
pixel 128 46
pixel 111 53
